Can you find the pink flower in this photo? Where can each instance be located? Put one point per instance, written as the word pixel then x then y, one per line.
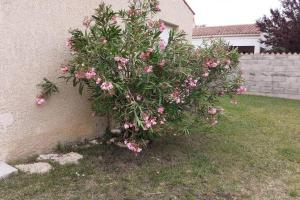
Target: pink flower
pixel 79 74
pixel 90 74
pixel 241 90
pixel 126 125
pixel 132 147
pixel 64 69
pixel 148 121
pixel 191 83
pixel 161 110
pixel 175 96
pixel 103 40
pixel 163 121
pixel 148 69
pixel 131 11
pixel 40 100
pixel 138 97
pixel 144 56
pixel 162 63
pixel 87 22
pixel 98 81
pixel 162 26
pixel 212 111
pixel 121 61
pixel 205 75
pixel 162 45
pixel 114 19
pixel 69 43
pixel 157 8
pixel 107 86
pixel 228 62
pixel 212 64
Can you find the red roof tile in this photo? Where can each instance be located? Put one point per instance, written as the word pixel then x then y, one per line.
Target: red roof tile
pixel 244 29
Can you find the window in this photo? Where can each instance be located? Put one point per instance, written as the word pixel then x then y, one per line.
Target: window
pixel 165 34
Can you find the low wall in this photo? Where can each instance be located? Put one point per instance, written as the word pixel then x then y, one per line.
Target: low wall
pixel 276 75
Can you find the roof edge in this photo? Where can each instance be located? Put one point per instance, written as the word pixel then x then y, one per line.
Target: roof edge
pixel 227 35
pixel 189 7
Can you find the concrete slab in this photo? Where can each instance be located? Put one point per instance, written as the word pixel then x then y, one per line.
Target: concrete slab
pixel 62 159
pixel 6 170
pixel 35 168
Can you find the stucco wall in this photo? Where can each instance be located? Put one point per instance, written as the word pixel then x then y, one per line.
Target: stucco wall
pixel 272 75
pixel 250 40
pixel 33 35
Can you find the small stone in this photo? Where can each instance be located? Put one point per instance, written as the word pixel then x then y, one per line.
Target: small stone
pixel 111 141
pixel 100 158
pixel 94 142
pixel 35 168
pixel 6 170
pixel 47 157
pixel 70 158
pixel 62 159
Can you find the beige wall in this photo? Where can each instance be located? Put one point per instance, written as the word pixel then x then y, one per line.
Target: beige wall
pixel 32 46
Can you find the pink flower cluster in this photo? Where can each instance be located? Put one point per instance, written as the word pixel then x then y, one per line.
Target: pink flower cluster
pixel 122 62
pixel 87 22
pixel 161 110
pixel 133 147
pixel 64 69
pixel 107 86
pixel 162 63
pixel 157 8
pixel 40 100
pixel 162 26
pixel 162 45
pixel 212 64
pixel 148 69
pixel 114 19
pixel 70 45
pixel 241 90
pixel 103 40
pixel 90 74
pixel 212 111
pixel 98 81
pixel 176 96
pixel 191 83
pixel 146 55
pixel 205 74
pixel 149 121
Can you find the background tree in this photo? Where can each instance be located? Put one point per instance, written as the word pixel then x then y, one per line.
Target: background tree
pixel 282 29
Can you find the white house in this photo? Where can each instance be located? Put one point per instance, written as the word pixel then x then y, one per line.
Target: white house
pixel 244 37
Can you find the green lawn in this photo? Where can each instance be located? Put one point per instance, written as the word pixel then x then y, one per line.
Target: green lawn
pixel 254 153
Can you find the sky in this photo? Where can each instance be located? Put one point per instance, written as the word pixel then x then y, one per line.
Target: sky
pixel 230 12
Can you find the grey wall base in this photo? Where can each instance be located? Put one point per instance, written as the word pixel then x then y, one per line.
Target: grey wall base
pixel 276 75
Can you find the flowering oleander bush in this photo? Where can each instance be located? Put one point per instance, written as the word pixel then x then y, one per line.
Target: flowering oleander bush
pixel 141 81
